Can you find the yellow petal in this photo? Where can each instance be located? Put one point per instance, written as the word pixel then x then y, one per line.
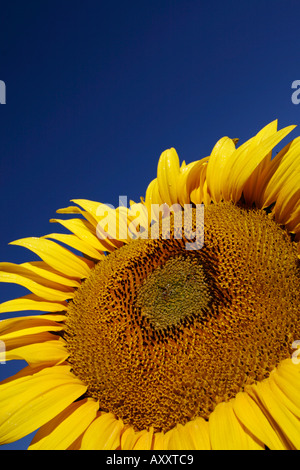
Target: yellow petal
pixel 255 420
pixel 152 195
pixel 74 242
pixel 69 210
pixel 287 378
pixel 168 172
pixel 153 200
pixel 144 441
pixel 46 272
pixel 124 217
pixel 293 222
pixel 246 162
pixel 159 441
pixel 31 399
pixel 89 206
pixel 288 199
pixel 21 326
pixel 199 431
pixel 31 271
pixel 16 274
pixel 290 371
pixel 104 433
pixel 32 302
pixel 112 226
pixel 286 393
pixel 83 230
pixel 266 131
pixel 238 161
pixel 230 164
pixel 256 182
pixel 183 190
pixel 285 421
pixel 196 184
pixel 92 210
pixel 139 211
pixel 43 348
pixel 95 212
pixel 58 257
pixel 206 194
pixel 129 438
pixel 220 154
pixel 65 428
pixel 226 431
pixel 179 438
pixel 286 163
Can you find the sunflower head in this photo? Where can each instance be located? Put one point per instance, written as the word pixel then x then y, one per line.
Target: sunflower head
pixel 170 324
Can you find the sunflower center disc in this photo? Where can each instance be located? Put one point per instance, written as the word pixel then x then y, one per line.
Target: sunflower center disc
pixel 160 334
pixel 173 292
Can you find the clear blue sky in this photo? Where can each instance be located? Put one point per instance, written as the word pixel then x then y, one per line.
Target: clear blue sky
pixel 97 90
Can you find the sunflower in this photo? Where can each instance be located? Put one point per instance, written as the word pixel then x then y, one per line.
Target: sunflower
pixel 146 344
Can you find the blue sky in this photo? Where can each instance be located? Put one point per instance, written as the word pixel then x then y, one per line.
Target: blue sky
pixel 95 91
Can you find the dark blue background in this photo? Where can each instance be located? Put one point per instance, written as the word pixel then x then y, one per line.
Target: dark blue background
pixel 97 90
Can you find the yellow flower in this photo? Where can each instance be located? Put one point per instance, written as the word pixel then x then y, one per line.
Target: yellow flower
pixel 150 341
